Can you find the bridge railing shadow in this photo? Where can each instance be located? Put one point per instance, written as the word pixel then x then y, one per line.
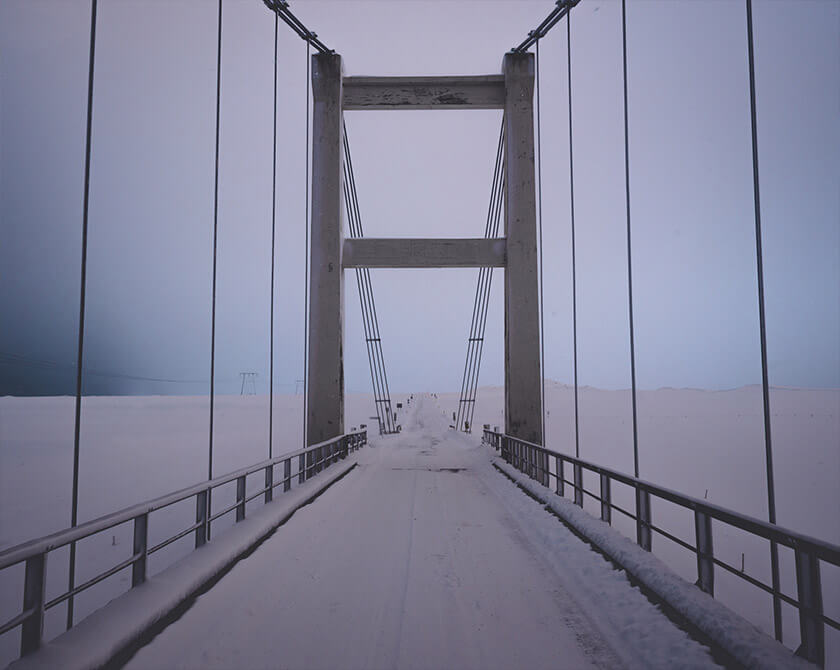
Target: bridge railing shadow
pixel 809 552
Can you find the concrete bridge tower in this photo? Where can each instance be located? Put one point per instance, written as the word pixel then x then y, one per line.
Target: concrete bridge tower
pixel 511 91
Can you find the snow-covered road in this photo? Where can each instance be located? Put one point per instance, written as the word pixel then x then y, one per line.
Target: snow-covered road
pixel 422 557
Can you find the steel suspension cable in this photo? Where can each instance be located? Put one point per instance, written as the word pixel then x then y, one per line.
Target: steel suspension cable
pixel 629 243
pixel 373 337
pixel 540 230
pixel 562 8
pixel 365 296
pixel 354 223
pixel 572 209
pixel 479 343
pixel 215 260
pixel 480 289
pixel 465 394
pixel 475 343
pixel 273 230
pixel 306 263
pixel 363 283
pixel 74 508
pixel 281 8
pixel 762 328
pixel 485 308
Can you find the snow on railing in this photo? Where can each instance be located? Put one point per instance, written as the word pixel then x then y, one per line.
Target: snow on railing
pixel 808 551
pixel 311 461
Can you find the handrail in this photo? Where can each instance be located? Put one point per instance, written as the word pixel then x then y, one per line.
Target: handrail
pixel 61 538
pixel 808 550
pixel 311 460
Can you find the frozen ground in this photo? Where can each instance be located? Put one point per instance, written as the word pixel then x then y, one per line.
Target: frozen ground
pixel 422 557
pixel 705 443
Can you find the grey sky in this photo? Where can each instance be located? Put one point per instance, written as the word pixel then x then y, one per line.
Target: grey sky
pixel 419 174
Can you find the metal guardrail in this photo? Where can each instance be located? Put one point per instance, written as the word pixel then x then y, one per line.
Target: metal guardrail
pixel 311 461
pixel 808 551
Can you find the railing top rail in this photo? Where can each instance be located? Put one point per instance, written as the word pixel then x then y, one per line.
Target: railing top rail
pixel 23 551
pixel 824 550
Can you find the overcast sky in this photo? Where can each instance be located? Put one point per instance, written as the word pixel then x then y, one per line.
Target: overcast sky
pixel 418 174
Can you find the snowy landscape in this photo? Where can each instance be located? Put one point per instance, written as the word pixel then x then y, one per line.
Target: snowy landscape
pixel 136 448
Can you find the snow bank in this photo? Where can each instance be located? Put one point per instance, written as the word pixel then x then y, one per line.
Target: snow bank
pixel 735 636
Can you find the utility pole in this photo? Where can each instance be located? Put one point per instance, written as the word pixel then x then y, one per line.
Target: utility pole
pixel 249 383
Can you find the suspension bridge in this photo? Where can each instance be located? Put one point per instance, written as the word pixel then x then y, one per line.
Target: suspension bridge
pixel 423 545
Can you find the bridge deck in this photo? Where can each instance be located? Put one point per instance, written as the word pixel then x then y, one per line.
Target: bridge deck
pixel 422 557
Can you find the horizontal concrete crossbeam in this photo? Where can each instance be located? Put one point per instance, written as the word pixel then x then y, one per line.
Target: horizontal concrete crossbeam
pixel 370 252
pixel 467 92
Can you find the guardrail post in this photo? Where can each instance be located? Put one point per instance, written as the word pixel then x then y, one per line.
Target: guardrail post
pixel 201 516
pixel 606 499
pixel 705 552
pixel 302 467
pixel 536 473
pixel 269 483
pixel 578 473
pixel 141 537
pixel 32 629
pixel 558 468
pixel 644 536
pixel 240 498
pixel 809 594
pixel 287 474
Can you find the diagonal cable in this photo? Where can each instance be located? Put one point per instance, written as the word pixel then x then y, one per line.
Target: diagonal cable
pixel 370 321
pixel 478 324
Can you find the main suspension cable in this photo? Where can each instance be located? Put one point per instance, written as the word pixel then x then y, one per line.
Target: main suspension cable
pixel 281 9
pixel 561 9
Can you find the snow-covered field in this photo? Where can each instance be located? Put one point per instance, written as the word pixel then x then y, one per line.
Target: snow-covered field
pixel 707 444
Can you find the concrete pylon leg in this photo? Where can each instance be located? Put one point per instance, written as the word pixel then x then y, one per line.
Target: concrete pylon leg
pixel 523 376
pixel 325 392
